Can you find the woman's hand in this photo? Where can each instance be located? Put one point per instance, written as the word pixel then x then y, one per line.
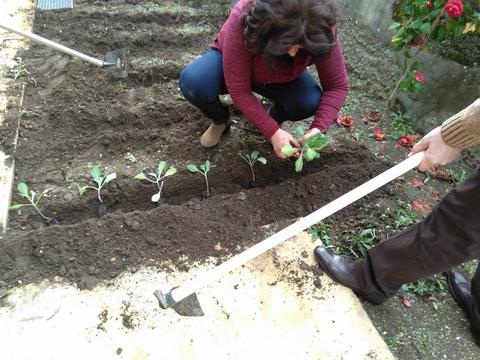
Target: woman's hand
pixel 311 132
pixel 280 139
pixel 437 151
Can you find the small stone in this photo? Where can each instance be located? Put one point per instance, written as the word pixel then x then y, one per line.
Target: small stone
pixel 241 196
pixel 132 224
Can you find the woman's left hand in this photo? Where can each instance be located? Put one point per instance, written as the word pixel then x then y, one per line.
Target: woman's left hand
pixel 310 133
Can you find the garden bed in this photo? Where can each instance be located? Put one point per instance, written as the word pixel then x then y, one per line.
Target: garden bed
pixel 75 115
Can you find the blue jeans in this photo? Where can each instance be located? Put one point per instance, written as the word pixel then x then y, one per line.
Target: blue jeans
pixel 202 82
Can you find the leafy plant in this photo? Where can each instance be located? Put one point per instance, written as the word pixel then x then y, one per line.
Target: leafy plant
pixel 420 22
pixel 98 181
pixel 457 176
pixel 203 169
pixel 321 231
pixel 310 149
pixel 157 178
pixel 33 200
pixel 357 245
pixel 251 160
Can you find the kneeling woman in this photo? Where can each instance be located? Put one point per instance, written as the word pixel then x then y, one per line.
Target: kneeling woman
pixel 265 46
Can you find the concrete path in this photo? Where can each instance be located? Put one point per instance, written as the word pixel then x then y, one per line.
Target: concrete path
pixel 273 308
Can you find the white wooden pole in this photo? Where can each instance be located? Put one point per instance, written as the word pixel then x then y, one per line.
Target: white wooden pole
pixel 210 276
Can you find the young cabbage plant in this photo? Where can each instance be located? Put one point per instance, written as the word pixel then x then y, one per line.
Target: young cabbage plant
pixel 157 178
pixel 30 195
pixel 310 149
pixel 251 160
pixel 203 169
pixel 97 182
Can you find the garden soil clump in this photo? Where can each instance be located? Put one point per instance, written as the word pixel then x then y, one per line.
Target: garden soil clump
pixel 75 115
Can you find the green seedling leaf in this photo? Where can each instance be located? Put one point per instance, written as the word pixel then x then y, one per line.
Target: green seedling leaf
pixel 155 198
pixel 96 174
pixel 299 132
pixel 254 155
pixel 18 206
pixel 22 189
pixel 161 166
pixel 317 141
pixel 262 160
pixel 140 176
pixel 170 171
pixel 192 168
pixel 152 175
pixel 208 165
pixel 82 190
pixel 288 150
pixel 310 154
pixel 299 164
pixel 110 177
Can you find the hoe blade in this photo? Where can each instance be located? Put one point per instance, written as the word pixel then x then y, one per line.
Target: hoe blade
pixel 116 63
pixel 189 306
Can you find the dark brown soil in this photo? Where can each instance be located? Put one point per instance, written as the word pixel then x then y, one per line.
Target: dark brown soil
pixel 78 115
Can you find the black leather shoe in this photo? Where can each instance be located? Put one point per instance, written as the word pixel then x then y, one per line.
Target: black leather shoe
pixel 353 274
pixel 461 289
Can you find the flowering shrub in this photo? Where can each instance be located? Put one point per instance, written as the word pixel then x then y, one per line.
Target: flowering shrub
pixel 421 21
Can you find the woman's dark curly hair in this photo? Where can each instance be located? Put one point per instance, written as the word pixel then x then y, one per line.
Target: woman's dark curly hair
pixel 273 26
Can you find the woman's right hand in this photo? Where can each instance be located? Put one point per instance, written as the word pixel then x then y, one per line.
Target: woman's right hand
pixel 280 139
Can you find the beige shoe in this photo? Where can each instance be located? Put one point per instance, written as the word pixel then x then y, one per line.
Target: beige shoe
pixel 214 133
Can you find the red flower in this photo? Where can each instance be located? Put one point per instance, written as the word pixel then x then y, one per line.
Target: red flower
pixel 453 8
pixel 429 4
pixel 378 134
pixel 403 140
pixel 419 76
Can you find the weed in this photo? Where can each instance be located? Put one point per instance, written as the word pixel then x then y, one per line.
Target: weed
pixel 130 157
pixel 203 169
pixel 400 124
pixel 358 245
pixel 251 160
pixel 435 285
pixel 33 200
pixel 321 231
pixel 18 71
pixel 157 178
pixel 457 176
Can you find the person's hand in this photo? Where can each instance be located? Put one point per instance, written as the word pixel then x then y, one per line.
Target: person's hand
pixel 311 132
pixel 280 139
pixel 437 151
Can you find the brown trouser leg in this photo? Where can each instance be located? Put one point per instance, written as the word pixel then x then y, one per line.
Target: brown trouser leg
pixel 447 237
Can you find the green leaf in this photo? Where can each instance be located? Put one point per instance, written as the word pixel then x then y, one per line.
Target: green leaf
pixel 110 177
pixel 244 156
pixel 394 26
pixel 82 190
pixel 299 164
pixel 161 166
pixel 254 155
pixel 310 154
pixel 208 165
pixel 299 132
pixel 426 28
pixel 262 160
pixel 95 172
pixel 192 168
pixel 18 206
pixel 317 141
pixel 140 176
pixel 405 85
pixel 288 150
pixel 458 31
pixel 416 24
pixel 23 189
pixel 170 171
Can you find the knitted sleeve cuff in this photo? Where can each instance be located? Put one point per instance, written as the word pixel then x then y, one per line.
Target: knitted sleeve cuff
pixel 455 134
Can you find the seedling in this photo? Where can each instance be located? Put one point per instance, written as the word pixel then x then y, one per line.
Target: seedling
pixel 203 169
pixel 310 149
pixel 157 178
pixel 23 191
pixel 98 182
pixel 251 160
